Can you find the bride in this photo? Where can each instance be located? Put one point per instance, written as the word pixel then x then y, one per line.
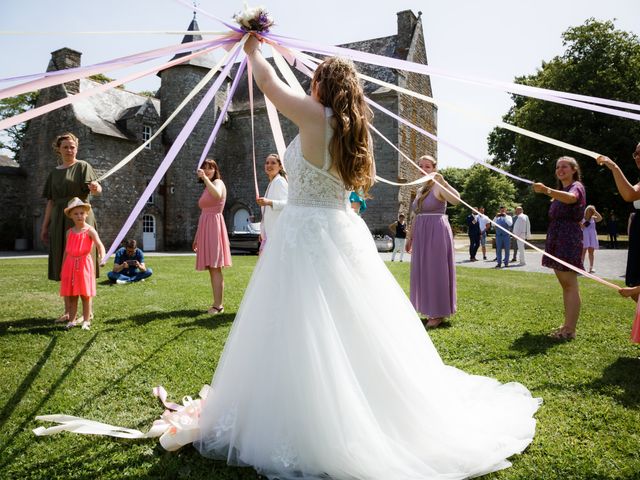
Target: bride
pixel 328 372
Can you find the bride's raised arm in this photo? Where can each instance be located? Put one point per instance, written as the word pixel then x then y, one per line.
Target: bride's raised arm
pixel 301 109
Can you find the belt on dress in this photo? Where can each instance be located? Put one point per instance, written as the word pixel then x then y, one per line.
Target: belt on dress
pixel 432 214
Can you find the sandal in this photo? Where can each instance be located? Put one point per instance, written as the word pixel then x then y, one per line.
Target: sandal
pixel 73 323
pixel 216 310
pixel 434 322
pixel 64 318
pixel 562 335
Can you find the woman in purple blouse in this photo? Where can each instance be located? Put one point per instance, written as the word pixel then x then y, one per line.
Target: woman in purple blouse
pixel 564 238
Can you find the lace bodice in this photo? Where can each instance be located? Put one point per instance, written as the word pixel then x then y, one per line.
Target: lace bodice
pixel 312 186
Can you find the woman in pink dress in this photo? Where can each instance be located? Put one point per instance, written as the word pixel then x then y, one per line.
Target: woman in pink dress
pixel 211 243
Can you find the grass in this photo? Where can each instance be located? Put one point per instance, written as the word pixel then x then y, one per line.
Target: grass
pixel 155 333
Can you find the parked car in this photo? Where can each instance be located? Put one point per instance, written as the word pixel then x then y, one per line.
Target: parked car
pixel 247 240
pixel 383 243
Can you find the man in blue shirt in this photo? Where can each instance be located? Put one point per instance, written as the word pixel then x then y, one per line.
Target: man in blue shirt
pixel 502 237
pixel 129 264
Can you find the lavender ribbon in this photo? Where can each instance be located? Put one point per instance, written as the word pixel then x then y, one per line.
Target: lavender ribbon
pixel 564 98
pixel 223 112
pixel 173 152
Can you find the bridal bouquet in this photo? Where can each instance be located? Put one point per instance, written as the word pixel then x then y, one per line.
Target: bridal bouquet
pixel 254 19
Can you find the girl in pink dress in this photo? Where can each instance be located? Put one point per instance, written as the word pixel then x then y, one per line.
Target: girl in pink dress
pixel 78 278
pixel 211 243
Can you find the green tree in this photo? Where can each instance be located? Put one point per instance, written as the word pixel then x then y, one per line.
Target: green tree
pixel 601 61
pixel 10 107
pixel 456 178
pixel 484 188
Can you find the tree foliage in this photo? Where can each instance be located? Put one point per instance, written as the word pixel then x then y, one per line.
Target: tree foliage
pixel 483 188
pixel 10 107
pixel 600 61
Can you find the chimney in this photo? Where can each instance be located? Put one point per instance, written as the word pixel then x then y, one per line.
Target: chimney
pixel 407 22
pixel 63 59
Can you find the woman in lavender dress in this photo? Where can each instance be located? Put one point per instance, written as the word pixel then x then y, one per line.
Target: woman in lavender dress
pixel 564 238
pixel 430 241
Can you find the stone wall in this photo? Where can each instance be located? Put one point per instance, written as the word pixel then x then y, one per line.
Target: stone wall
pixel 14 220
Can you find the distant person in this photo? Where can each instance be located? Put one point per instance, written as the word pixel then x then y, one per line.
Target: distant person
pixel 630 193
pixel 275 198
pixel 564 239
pixel 590 234
pixel 484 224
pixel 78 276
pixel 502 237
pixel 129 266
pixel 211 242
pixel 358 203
pixel 521 228
pixel 399 231
pixel 612 230
pixel 473 230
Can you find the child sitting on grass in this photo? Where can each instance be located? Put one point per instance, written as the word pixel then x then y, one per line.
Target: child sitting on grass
pixel 78 277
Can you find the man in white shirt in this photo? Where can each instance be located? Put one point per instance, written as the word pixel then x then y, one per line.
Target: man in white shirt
pixel 483 222
pixel 521 228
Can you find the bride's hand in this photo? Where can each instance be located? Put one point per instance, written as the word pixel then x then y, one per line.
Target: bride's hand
pixel 251 45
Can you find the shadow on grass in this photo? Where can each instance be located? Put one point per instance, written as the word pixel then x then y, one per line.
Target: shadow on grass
pixel 209 321
pixel 188 463
pixel 531 344
pixel 620 381
pixel 38 326
pixel 144 318
pixel 24 387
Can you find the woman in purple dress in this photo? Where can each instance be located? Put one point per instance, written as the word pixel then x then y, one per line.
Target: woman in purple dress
pixel 430 242
pixel 564 238
pixel 590 234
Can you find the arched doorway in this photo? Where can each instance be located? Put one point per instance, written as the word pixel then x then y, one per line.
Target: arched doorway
pixel 241 220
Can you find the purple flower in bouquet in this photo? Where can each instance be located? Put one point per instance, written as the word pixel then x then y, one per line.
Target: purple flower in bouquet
pixel 254 19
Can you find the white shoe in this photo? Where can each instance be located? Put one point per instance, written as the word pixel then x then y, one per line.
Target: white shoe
pixel 121 282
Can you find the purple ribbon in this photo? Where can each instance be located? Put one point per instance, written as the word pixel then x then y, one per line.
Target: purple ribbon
pixel 172 153
pixel 47 79
pixel 536 92
pixel 36 112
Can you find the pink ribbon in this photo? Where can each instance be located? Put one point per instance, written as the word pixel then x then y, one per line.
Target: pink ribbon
pixel 253 133
pixel 57 77
pixel 173 152
pixel 36 112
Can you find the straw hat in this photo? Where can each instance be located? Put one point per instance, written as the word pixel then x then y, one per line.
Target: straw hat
pixel 76 202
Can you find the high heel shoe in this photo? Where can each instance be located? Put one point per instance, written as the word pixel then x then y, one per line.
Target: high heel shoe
pixel 216 310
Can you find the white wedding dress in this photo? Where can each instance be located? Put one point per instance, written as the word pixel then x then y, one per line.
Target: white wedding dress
pixel 328 372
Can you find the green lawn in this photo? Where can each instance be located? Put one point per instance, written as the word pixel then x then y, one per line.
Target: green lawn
pixel 155 333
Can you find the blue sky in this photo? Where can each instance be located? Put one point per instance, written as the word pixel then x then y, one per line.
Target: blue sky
pixel 497 39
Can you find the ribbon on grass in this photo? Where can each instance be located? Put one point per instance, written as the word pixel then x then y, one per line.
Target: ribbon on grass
pixel 173 152
pixel 57 77
pixel 36 112
pixel 177 426
pixel 201 84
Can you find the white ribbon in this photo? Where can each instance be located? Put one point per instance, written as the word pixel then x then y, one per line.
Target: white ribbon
pixel 177 426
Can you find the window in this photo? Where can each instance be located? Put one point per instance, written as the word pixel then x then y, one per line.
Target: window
pixel 146 135
pixel 152 198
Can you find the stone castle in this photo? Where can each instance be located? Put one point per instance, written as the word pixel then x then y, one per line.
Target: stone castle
pixel 112 124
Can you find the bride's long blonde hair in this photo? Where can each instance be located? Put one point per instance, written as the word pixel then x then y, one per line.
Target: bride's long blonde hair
pixel 338 87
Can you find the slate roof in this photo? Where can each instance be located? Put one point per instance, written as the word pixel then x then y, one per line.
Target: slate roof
pixel 100 112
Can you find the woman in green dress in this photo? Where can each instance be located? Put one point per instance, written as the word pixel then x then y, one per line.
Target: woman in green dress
pixel 71 178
